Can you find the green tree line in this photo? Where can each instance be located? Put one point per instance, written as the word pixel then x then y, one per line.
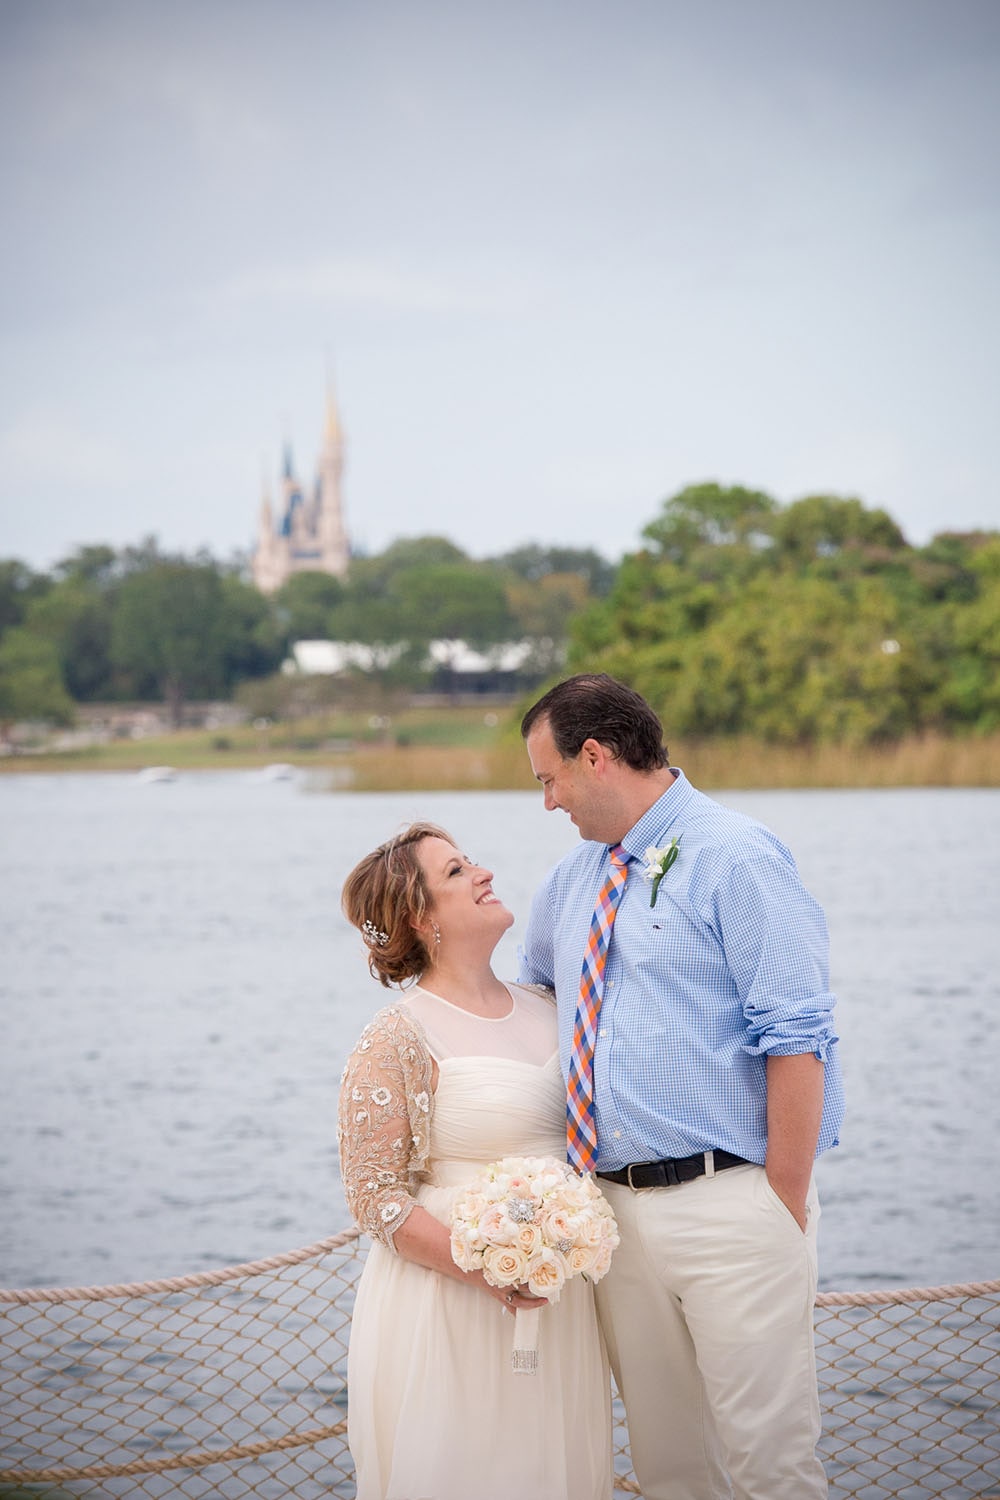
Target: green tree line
pixel 811 622
pixel 141 624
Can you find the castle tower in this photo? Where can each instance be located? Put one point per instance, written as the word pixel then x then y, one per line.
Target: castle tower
pixel 309 533
pixel 334 547
pixel 267 562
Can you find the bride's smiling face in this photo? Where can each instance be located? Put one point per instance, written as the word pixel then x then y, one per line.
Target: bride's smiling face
pixel 461 894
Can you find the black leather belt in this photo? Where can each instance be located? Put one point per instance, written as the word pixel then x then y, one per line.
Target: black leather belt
pixel 646 1174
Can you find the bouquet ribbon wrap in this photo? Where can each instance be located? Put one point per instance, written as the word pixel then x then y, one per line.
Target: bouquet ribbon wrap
pixel 524 1357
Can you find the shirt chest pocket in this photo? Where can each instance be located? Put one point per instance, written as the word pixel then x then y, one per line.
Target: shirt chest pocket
pixel 663 935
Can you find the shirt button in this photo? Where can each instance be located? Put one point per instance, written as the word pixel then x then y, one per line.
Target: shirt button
pixel 618 1135
pixel 603 1031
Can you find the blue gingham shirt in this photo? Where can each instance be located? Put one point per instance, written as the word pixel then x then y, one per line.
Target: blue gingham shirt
pixel 729 966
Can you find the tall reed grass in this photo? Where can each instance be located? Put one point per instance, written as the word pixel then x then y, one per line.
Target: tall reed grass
pixel 424 760
pixel 926 760
pixel 932 760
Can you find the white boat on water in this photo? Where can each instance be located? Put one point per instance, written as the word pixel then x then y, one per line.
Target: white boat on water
pixel 279 771
pixel 152 774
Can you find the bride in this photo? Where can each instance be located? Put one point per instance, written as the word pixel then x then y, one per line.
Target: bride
pixel 460 1070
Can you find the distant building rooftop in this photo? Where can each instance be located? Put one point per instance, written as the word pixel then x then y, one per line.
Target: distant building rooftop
pixel 332 657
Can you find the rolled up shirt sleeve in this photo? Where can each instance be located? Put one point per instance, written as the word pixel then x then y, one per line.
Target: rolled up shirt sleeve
pixel 776 944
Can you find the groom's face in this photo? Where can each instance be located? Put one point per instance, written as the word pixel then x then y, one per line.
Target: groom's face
pixel 570 785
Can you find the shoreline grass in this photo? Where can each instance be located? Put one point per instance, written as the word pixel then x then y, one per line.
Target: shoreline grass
pixel 463 748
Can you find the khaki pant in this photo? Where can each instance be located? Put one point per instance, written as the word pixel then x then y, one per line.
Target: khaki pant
pixel 707 1312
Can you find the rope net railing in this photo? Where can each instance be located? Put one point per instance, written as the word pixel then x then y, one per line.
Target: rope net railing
pixel 233 1383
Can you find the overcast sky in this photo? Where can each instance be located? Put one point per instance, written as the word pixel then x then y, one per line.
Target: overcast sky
pixel 560 258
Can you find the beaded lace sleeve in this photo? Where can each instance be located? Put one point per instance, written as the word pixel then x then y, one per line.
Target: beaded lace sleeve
pixel 384 1122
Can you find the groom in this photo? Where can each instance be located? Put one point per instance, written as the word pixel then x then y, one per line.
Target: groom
pixel 696 1034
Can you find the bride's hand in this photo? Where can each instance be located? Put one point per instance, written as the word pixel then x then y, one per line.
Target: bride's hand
pixel 515 1297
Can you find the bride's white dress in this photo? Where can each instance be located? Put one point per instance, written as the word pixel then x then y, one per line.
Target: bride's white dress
pixel 435 1410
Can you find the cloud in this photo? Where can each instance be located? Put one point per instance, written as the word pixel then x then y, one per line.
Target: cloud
pixel 376 285
pixel 44 447
pixel 125 62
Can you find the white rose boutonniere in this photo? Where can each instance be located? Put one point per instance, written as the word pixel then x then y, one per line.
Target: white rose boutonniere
pixel 658 862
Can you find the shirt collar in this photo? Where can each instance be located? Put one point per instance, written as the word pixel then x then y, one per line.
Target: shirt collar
pixel 660 819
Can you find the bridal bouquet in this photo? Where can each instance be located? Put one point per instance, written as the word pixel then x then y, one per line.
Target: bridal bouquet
pixel 531 1220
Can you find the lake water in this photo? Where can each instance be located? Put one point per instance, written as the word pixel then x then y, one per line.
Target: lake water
pixel 179 991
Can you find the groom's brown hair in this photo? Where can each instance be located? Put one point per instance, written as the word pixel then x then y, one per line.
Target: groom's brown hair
pixel 594 706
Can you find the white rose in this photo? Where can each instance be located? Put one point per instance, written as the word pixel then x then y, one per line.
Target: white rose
pixel 547 1275
pixel 471 1205
pixel 528 1238
pixel 558 1225
pixel 588 1229
pixel 495 1226
pixel 581 1260
pixel 504 1265
pixel 462 1253
pixel 576 1194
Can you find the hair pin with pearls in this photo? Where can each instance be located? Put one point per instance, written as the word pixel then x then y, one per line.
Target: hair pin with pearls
pixel 373 935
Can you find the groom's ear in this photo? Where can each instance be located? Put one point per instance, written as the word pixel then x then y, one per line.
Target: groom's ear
pixel 594 755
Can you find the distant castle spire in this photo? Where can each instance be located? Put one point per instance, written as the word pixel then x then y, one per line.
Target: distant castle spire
pixel 309 533
pixel 266 512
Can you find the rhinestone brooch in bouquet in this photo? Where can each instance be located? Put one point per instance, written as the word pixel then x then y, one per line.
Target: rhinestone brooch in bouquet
pixel 532 1221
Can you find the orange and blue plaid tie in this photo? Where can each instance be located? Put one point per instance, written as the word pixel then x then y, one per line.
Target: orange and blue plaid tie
pixel 581 1131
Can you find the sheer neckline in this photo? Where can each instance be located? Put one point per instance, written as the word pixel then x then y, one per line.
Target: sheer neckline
pixel 476 1059
pixel 486 1020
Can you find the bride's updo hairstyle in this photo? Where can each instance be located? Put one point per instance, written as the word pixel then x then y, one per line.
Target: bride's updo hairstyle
pixel 385 896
